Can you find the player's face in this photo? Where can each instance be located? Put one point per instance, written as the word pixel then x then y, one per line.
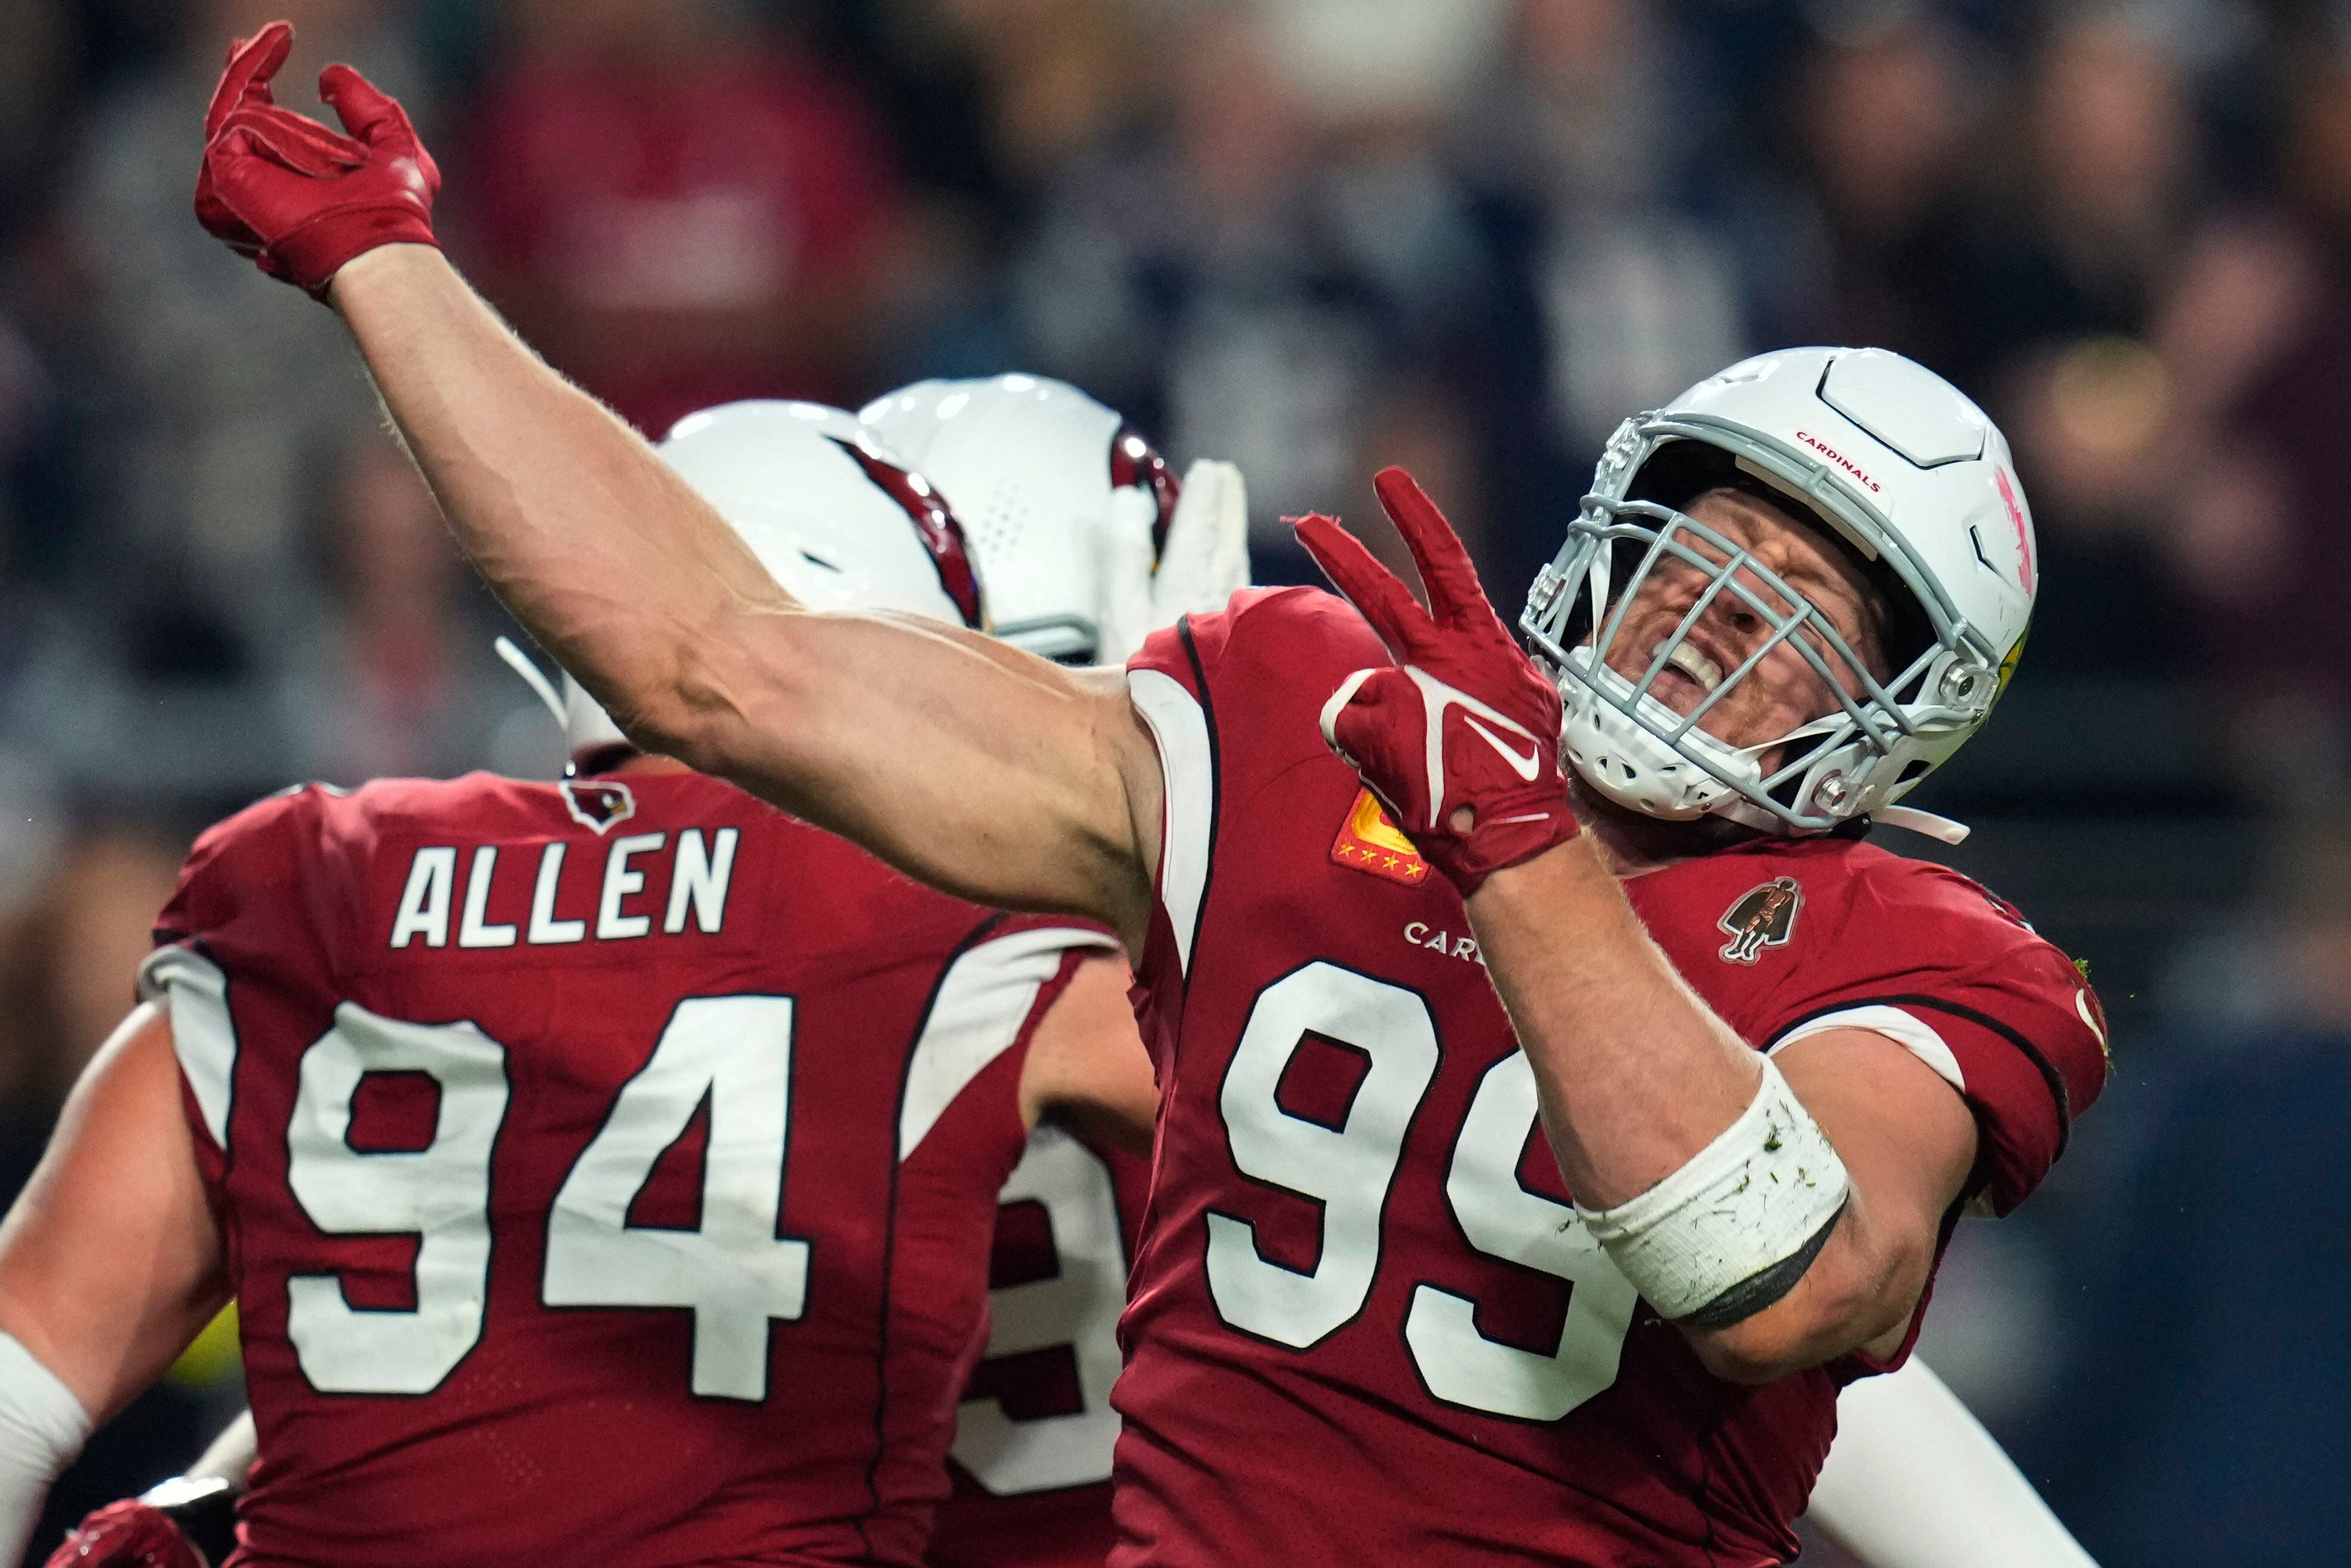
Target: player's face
pixel 1784 691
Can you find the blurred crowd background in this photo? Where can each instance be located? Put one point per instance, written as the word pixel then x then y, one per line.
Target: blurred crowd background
pixel 1313 236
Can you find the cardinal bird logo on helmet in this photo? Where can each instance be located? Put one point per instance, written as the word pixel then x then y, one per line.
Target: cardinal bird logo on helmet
pixel 1763 917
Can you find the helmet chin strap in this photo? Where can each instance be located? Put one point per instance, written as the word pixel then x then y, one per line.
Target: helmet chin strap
pixel 522 664
pixel 1926 823
pixel 1934 827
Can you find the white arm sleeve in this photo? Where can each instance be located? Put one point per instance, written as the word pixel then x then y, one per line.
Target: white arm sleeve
pixel 1915 1481
pixel 42 1428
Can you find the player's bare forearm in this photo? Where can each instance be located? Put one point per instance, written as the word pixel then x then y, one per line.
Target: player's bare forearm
pixel 110 1261
pixel 986 771
pixel 1638 1075
pixel 979 769
pixel 606 556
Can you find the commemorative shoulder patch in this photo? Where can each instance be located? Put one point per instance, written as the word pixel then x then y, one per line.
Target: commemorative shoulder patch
pixel 1761 918
pixel 1368 842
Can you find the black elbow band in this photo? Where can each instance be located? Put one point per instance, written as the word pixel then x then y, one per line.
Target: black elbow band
pixel 1760 1290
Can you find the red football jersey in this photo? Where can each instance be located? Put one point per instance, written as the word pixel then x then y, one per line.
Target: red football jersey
pixel 1031 1460
pixel 607 1169
pixel 1366 1325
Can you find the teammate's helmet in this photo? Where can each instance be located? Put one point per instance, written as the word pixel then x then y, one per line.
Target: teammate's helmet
pixel 841 523
pixel 1894 462
pixel 1034 467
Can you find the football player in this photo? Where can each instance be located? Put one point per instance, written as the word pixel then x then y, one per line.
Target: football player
pixel 1070 515
pixel 1372 1312
pixel 1092 542
pixel 1080 532
pixel 604 1170
pixel 1072 547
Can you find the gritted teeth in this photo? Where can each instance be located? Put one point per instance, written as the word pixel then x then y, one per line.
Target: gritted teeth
pixel 1695 664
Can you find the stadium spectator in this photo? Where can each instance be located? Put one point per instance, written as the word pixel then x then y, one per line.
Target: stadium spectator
pixel 1635 288
pixel 1059 75
pixel 2097 163
pixel 1887 121
pixel 1262 278
pixel 407 686
pixel 680 209
pixel 2267 530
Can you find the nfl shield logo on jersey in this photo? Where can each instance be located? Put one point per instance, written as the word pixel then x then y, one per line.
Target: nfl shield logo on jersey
pixel 598 804
pixel 1763 917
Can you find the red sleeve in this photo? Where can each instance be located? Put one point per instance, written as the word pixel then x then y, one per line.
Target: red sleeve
pixel 250 910
pixel 223 882
pixel 1974 992
pixel 987 1004
pixel 1230 700
pixel 1168 682
pixel 1083 941
pixel 1175 651
pixel 1298 628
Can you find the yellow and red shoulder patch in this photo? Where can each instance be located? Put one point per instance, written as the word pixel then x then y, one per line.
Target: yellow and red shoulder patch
pixel 1368 842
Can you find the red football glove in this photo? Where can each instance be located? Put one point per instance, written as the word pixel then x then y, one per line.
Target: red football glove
pixel 298 198
pixel 1459 739
pixel 127 1535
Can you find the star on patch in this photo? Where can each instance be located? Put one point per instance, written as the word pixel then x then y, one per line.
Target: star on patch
pixel 1369 843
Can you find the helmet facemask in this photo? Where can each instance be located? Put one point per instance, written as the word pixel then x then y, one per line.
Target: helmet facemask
pixel 1879 736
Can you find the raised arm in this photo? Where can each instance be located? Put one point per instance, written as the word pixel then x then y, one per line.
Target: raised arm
pixel 975 768
pixel 972 765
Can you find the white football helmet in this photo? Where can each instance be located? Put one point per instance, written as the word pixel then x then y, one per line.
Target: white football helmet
pixel 1070 511
pixel 840 522
pixel 1897 464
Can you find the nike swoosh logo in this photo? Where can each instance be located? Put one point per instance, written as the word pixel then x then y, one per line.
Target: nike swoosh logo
pixel 1524 767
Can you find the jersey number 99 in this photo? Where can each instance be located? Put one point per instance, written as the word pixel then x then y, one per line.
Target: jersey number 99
pixel 1351 1169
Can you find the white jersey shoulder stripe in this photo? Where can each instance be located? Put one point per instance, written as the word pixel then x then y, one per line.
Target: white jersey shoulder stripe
pixel 1905 1029
pixel 196 991
pixel 976 1015
pixel 1188 771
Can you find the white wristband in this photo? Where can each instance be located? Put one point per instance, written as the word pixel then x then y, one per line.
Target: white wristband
pixel 42 1428
pixel 1731 1231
